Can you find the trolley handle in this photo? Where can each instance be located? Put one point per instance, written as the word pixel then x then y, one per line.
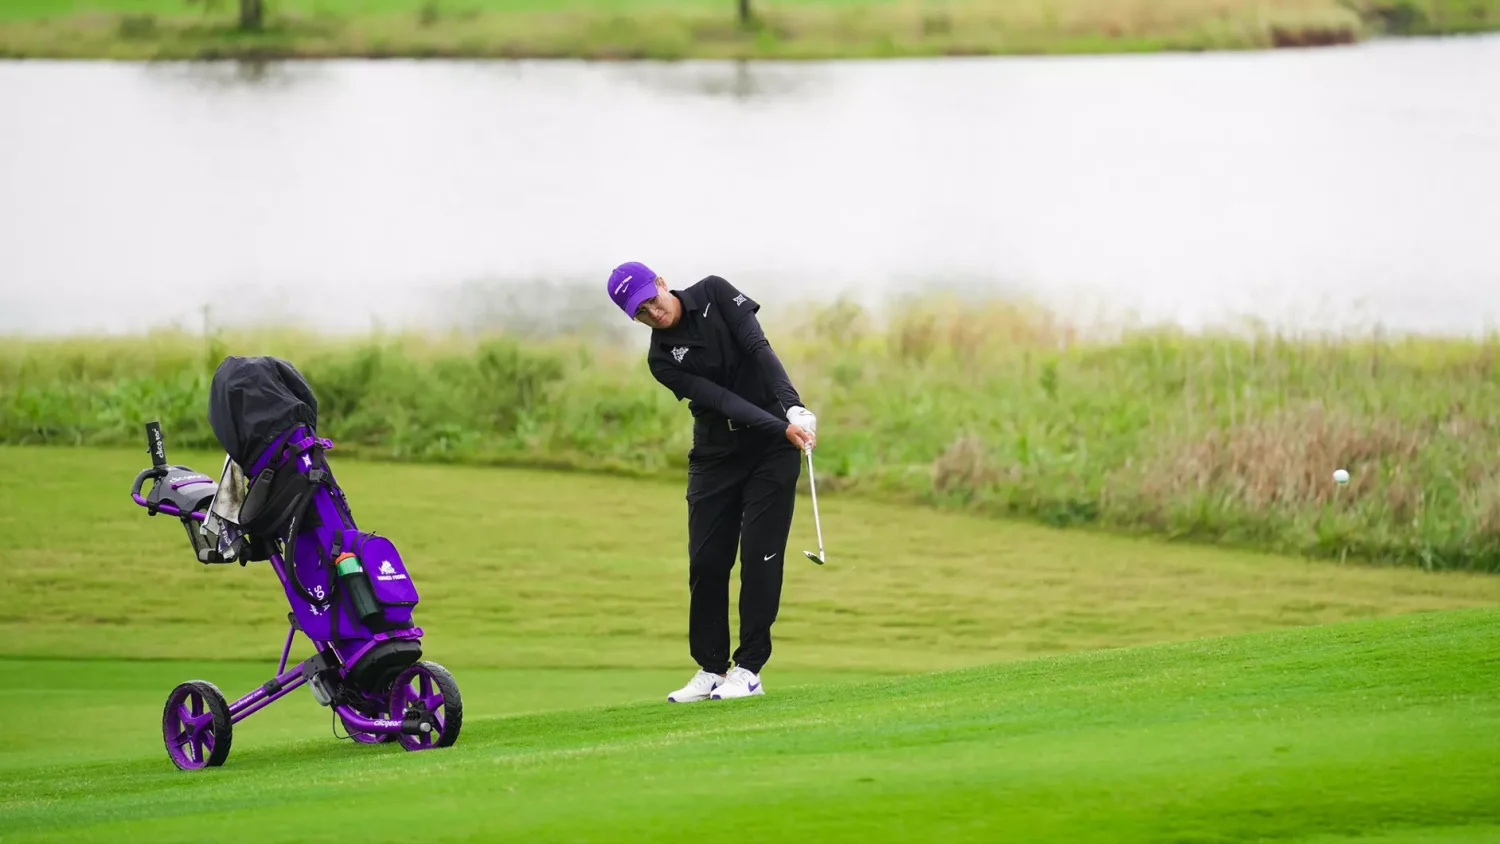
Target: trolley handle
pixel 140 479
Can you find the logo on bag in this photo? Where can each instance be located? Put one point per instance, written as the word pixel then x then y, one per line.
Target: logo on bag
pixel 679 353
pixel 388 572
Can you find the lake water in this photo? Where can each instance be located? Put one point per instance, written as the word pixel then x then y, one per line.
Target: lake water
pixel 1340 186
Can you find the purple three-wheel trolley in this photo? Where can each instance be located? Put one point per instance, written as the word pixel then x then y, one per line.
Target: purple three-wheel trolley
pixel 350 592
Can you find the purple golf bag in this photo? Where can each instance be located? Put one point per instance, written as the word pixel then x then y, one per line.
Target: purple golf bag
pixel 350 593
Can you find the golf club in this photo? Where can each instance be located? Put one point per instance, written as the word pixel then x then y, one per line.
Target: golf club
pixel 818 558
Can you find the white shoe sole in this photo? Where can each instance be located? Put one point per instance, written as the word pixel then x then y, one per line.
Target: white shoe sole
pixel 673 698
pixel 756 693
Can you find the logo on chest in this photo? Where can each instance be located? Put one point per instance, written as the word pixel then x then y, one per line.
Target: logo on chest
pixel 679 353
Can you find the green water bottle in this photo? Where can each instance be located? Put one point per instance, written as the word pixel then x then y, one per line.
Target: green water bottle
pixel 357 583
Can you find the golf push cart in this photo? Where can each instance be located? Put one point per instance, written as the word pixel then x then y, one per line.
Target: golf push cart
pixel 349 591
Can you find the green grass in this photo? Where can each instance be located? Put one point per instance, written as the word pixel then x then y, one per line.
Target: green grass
pixel 522 569
pixel 121 701
pixel 992 409
pixel 1382 730
pixel 543 570
pixel 672 29
pixel 1362 702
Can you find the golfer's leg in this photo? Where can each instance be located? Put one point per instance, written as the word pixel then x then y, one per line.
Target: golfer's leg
pixel 713 538
pixel 770 498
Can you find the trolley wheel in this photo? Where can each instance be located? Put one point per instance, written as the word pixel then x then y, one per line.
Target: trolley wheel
pixel 195 726
pixel 427 695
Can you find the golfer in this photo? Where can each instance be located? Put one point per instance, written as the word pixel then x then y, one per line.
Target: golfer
pixel 749 429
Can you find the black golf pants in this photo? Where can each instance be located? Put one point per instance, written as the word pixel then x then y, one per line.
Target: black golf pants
pixel 741 501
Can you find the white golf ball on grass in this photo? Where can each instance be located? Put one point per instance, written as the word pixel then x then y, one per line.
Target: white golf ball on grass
pixel 1341 476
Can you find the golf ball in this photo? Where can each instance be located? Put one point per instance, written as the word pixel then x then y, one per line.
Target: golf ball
pixel 1341 476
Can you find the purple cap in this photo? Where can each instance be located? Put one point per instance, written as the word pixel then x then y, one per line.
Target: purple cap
pixel 631 284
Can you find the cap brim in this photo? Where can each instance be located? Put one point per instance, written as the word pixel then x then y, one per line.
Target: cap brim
pixel 634 300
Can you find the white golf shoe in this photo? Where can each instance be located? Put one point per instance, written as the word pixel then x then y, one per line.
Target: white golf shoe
pixel 741 682
pixel 698 688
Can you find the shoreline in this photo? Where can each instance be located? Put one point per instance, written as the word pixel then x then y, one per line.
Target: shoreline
pixel 798 32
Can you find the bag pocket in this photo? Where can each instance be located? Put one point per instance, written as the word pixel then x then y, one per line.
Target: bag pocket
pixel 270 503
pixel 382 563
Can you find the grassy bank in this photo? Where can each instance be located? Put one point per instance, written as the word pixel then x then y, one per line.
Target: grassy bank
pixel 1371 731
pixel 790 29
pixel 999 410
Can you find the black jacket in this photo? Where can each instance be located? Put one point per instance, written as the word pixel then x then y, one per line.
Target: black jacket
pixel 717 357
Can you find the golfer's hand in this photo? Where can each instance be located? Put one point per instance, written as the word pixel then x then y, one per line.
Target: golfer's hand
pixel 802 418
pixel 800 438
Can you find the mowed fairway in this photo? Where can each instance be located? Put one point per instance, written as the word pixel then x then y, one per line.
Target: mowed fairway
pixel 1390 728
pixel 559 601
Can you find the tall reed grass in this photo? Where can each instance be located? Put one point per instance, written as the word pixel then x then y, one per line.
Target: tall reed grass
pixel 1002 409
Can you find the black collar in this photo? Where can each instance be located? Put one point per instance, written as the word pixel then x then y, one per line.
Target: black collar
pixel 689 299
pixel 690 303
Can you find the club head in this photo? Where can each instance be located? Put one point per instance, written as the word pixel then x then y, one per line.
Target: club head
pixel 814 557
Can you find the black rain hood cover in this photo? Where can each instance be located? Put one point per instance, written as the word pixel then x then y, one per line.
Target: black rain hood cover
pixel 253 400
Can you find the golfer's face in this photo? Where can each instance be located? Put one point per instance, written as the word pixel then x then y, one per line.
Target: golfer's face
pixel 655 312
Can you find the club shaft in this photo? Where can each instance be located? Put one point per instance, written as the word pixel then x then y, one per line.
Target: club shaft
pixel 812 484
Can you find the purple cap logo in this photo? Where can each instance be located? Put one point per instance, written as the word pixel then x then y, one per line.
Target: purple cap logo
pixel 631 284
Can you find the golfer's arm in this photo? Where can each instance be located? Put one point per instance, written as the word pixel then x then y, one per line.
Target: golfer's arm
pixel 753 343
pixel 705 392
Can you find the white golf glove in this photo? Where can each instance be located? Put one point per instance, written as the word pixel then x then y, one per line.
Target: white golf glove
pixel 804 419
